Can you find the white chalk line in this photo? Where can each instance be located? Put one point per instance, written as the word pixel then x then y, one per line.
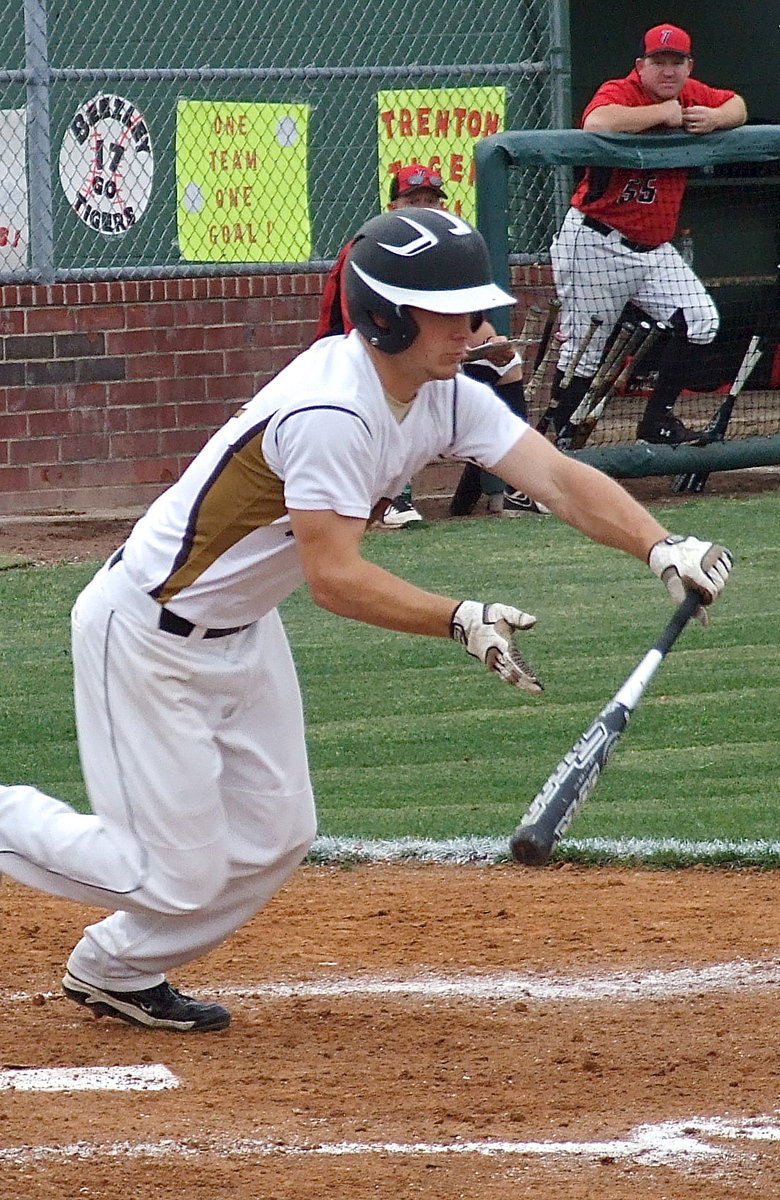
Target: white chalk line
pixel 488 850
pixel 621 986
pixel 141 1078
pixel 670 1143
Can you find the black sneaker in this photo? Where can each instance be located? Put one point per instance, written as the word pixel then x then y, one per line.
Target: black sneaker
pixel 517 502
pixel 666 430
pixel 160 1007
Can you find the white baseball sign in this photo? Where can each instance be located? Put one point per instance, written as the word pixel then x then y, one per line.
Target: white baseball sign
pixel 106 164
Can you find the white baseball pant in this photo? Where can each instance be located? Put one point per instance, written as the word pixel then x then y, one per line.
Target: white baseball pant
pixel 596 275
pixel 194 759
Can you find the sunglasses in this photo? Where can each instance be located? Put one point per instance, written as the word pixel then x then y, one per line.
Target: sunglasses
pixel 423 179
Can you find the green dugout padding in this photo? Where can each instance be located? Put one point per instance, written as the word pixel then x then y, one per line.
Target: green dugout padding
pixel 494 157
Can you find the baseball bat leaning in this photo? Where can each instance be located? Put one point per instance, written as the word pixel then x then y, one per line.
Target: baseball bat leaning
pixel 595 324
pixel 636 350
pixel 694 481
pixel 599 381
pixel 550 347
pixel 573 780
pixel 543 424
pixel 553 312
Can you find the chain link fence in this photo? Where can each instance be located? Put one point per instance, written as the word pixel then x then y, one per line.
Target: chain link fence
pixel 152 139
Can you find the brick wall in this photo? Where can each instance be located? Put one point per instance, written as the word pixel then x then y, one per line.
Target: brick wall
pixel 108 389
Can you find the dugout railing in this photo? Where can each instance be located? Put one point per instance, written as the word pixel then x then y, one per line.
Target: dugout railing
pixel 732 206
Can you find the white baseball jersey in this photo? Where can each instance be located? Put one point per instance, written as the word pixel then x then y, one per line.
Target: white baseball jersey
pixel 217 547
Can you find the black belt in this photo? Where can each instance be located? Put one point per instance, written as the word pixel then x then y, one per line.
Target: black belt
pixel 169 622
pixel 601 227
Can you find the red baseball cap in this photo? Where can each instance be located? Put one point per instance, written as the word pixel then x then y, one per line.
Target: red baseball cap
pixel 666 39
pixel 411 178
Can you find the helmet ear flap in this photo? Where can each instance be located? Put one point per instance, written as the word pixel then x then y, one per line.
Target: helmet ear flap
pixel 400 333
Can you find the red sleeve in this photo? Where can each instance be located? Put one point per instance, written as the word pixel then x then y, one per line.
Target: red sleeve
pixel 616 91
pixel 333 309
pixel 701 93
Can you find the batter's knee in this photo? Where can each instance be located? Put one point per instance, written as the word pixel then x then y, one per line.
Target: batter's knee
pixel 703 323
pixel 191 881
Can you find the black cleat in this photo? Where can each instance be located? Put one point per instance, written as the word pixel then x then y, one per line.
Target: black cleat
pixel 667 430
pixel 160 1007
pixel 515 503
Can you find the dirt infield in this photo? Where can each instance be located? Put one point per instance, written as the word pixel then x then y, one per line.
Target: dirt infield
pixel 459 1031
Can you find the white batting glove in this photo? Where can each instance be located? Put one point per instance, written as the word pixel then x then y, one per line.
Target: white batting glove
pixel 487 632
pixel 686 562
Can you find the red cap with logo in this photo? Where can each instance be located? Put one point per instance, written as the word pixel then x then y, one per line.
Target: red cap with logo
pixel 411 178
pixel 666 39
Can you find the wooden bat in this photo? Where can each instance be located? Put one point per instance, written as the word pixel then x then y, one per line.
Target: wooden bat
pixel 552 350
pixel 595 324
pixel 694 481
pixel 549 346
pixel 553 312
pixel 556 805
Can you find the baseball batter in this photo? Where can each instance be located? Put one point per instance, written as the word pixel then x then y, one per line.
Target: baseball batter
pixel 187 704
pixel 614 244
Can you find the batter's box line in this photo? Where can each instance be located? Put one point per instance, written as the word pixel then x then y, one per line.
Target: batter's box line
pixel 622 986
pixel 670 1143
pixel 510 987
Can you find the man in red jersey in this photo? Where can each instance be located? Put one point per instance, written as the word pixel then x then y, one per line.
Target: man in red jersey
pixel 614 245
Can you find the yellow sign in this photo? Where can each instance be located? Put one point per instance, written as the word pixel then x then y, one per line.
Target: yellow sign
pixel 438 127
pixel 242 188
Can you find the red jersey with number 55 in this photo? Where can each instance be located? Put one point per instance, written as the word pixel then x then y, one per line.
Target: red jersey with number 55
pixel 643 205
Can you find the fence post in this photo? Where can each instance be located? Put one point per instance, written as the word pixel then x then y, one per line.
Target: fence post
pixel 41 207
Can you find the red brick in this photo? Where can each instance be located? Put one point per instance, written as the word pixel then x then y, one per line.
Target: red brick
pixel 11 321
pixel 83 447
pixel 198 364
pixel 158 470
pixel 143 444
pixel 150 416
pixel 132 341
pixel 202 415
pixel 183 388
pixel 33 450
pixel 131 391
pixel 149 366
pixel 223 337
pixel 43 424
pixel 101 316
pixel 18 425
pixel 50 320
pixel 150 316
pixel 183 441
pixel 236 388
pixel 14 479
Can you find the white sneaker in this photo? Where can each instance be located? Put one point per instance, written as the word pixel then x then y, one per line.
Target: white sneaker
pixel 517 502
pixel 399 513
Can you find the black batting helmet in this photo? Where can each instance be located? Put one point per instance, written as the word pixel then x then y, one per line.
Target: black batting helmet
pixel 423 258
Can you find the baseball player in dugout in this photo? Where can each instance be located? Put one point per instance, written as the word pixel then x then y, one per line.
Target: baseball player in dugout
pixel 614 245
pixel 187 704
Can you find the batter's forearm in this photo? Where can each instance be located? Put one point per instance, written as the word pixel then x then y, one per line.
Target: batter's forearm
pixel 605 512
pixel 375 596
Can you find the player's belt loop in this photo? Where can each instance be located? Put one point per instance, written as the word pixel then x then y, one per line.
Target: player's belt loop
pixel 605 230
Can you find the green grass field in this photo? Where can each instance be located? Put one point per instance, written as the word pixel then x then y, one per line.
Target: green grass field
pixel 411 739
